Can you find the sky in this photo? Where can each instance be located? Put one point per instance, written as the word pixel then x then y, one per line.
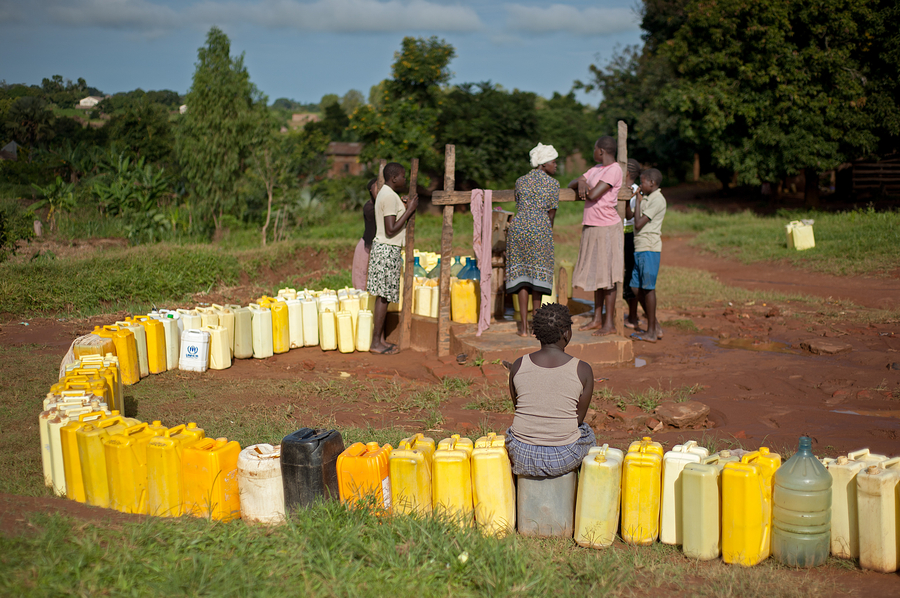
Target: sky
pixel 304 49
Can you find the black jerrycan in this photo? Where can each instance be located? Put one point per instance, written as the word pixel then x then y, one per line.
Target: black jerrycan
pixel 309 466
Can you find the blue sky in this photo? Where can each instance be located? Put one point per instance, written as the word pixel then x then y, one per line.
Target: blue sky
pixel 303 49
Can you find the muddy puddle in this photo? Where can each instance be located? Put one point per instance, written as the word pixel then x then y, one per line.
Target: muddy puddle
pixel 750 344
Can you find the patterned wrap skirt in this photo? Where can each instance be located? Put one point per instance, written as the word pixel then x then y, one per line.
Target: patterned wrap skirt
pixel 384 271
pixel 601 257
pixel 549 461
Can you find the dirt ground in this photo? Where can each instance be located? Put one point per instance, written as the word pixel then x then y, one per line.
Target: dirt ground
pixel 761 386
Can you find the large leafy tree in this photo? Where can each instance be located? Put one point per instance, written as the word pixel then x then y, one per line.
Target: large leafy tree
pixel 225 116
pixel 493 130
pixel 401 123
pixel 143 128
pixel 29 120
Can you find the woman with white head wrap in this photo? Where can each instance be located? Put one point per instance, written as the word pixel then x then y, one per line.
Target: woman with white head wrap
pixel 529 240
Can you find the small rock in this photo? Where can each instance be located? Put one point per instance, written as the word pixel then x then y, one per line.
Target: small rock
pixel 838 396
pixel 739 435
pixel 894 366
pixel 654 424
pixel 633 417
pixel 825 347
pixel 865 395
pixel 309 365
pixel 773 313
pixel 682 415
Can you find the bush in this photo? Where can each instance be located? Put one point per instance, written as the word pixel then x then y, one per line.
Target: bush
pixel 16 223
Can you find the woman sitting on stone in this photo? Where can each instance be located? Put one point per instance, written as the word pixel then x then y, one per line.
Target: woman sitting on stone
pixel 551 392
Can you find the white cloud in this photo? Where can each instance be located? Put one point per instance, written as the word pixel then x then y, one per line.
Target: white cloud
pixel 341 16
pixel 140 15
pixel 344 15
pixel 558 18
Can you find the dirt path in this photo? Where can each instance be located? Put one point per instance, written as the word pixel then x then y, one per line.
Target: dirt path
pixel 878 293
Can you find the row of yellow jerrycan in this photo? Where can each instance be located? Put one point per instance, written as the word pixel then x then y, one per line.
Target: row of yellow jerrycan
pixel 457 478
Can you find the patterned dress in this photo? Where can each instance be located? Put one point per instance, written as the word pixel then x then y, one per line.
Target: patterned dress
pixel 529 240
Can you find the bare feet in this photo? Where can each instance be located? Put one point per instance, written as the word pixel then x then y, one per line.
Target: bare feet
pixel 384 349
pixel 632 323
pixel 644 336
pixel 659 333
pixel 522 330
pixel 592 325
pixel 605 332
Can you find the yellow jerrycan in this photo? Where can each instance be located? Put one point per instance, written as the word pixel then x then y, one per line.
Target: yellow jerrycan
pixel 113 380
pixel 350 304
pixel 464 296
pixel 93 458
pixel 190 319
pixel 126 466
pixel 226 321
pixel 641 481
pixel 156 343
pixel 127 352
pixel 219 351
pixel 287 293
pixel 54 428
pixel 747 508
pixel 210 479
pixel 492 486
pixel 281 331
pixel 701 491
pixel 92 344
pixel 172 334
pixel 410 466
pixel 208 316
pixel 310 314
pixel 844 510
pixel 261 325
pixel 670 510
pixel 364 475
pixel 364 330
pixel 451 475
pixel 344 323
pixel 327 330
pixel 165 471
pixel 140 338
pixel 879 516
pixel 71 461
pixel 295 322
pixel 242 344
pixel 599 492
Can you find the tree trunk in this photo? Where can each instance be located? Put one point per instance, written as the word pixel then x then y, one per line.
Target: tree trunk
pixel 696 167
pixel 268 213
pixel 811 188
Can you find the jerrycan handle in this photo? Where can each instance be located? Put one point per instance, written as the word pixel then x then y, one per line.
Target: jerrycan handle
pixel 91 415
pixel 687 446
pixel 174 430
pixel 141 318
pixel 855 455
pixel 710 460
pixel 748 457
pixel 109 421
pixel 135 429
pixel 890 463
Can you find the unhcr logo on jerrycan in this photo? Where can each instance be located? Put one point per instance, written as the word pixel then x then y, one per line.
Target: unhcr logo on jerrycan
pixel 194 351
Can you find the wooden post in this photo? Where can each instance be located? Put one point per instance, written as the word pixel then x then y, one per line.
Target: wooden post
pixel 443 339
pixel 407 287
pixel 624 194
pixel 380 183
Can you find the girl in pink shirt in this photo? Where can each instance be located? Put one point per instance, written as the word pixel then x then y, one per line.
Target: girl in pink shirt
pixel 601 259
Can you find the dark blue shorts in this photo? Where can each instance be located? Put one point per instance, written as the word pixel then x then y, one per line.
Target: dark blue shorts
pixel 646 268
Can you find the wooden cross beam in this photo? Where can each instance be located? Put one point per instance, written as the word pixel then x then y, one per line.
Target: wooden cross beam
pixel 449 198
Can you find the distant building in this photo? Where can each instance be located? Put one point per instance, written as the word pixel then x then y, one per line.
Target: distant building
pixel 300 119
pixel 89 102
pixel 344 159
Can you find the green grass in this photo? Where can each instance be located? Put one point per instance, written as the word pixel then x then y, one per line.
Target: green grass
pixel 328 550
pixel 646 399
pixel 862 241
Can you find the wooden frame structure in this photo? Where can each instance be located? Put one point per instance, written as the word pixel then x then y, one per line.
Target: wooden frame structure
pixel 448 198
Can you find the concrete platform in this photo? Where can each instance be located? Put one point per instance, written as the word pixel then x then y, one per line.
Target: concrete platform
pixel 500 341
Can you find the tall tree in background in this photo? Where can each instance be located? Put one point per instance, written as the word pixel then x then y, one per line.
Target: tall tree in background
pixel 143 128
pixel 29 121
pixel 401 124
pixel 224 117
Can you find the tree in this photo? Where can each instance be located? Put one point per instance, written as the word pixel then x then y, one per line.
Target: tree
pixel 352 100
pixel 223 119
pixel 30 121
pixel 401 124
pixel 493 130
pixel 143 128
pixel 568 125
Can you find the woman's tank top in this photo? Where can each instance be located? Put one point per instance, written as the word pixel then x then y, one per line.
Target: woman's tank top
pixel 547 403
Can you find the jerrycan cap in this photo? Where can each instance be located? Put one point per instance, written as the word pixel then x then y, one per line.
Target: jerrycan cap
pixel 600 457
pixel 372 447
pixel 191 425
pixel 842 460
pixel 725 454
pixel 873 470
